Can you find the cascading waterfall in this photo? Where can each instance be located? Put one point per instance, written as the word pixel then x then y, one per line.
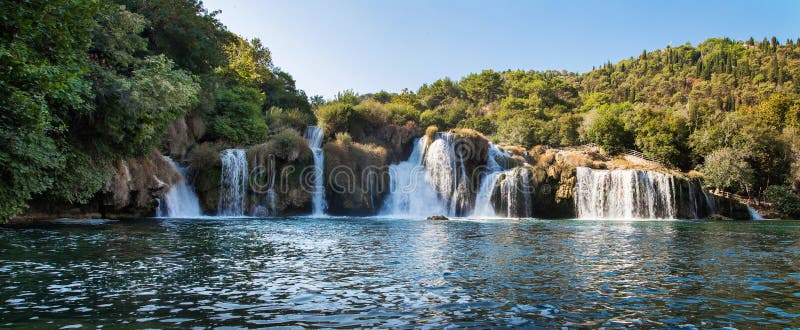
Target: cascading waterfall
pixel 314 137
pixel 754 214
pixel 446 172
pixel 624 194
pixel 483 200
pixel 712 207
pixel 410 194
pixel 233 182
pixel 181 200
pixel 515 193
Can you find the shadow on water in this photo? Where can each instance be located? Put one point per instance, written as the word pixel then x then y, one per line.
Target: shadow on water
pixel 347 272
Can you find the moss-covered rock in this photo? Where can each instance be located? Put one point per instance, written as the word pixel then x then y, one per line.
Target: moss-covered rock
pixel 536 191
pixel 357 176
pixel 204 170
pixel 284 157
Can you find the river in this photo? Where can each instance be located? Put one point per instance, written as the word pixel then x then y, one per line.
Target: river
pixel 373 272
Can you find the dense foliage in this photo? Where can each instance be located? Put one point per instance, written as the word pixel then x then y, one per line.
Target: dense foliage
pixel 86 83
pixel 721 105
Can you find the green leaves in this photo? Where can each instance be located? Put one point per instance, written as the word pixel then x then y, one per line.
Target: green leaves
pixel 237 116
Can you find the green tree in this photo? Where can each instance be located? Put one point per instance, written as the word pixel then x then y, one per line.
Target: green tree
pixel 725 169
pixel 607 130
pixel 237 116
pixel 44 55
pixel 483 87
pixel 784 200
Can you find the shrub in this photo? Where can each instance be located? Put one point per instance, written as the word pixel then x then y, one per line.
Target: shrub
pixel 237 116
pixel 280 119
pixel 480 124
pixel 430 133
pixel 784 200
pixel 335 117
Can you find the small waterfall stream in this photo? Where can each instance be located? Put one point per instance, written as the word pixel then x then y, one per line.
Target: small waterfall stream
pixel 314 136
pixel 180 201
pixel 624 194
pixel 483 200
pixel 754 214
pixel 233 182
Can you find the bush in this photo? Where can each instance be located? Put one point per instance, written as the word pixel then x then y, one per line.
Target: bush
pixel 480 124
pixel 335 117
pixel 237 116
pixel 784 200
pixel 280 119
pixel 287 146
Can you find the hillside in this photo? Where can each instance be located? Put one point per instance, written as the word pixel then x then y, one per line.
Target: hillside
pixel 723 107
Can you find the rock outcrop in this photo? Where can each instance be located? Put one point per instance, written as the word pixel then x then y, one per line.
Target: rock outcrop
pixel 357 176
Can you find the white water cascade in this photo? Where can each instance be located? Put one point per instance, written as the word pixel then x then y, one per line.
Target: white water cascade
pixel 515 193
pixel 754 214
pixel 446 172
pixel 233 183
pixel 314 137
pixel 410 194
pixel 624 194
pixel 181 200
pixel 483 200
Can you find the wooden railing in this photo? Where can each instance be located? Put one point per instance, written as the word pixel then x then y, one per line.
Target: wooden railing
pixel 739 198
pixel 637 154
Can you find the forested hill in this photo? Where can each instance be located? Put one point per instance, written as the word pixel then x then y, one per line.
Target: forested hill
pixel 729 108
pixel 85 84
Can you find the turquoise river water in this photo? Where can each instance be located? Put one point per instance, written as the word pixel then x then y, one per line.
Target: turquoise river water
pixel 372 272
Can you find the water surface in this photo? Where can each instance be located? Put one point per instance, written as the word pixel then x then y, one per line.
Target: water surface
pixel 343 272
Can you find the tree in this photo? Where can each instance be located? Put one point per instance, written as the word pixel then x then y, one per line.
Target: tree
pixel 237 116
pixel 784 200
pixel 184 31
pixel 607 129
pixel 483 87
pixel 44 55
pixel 725 169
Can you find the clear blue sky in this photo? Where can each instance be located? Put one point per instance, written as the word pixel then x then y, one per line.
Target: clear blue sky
pixel 370 45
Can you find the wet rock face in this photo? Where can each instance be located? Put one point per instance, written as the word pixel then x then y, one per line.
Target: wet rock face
pixel 284 162
pixel 204 170
pixel 357 177
pixel 537 192
pixel 136 185
pixel 397 140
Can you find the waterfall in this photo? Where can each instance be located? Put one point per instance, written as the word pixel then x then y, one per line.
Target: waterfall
pixel 180 201
pixel 624 194
pixel 754 214
pixel 446 172
pixel 433 181
pixel 712 207
pixel 483 200
pixel 314 137
pixel 233 182
pixel 693 204
pixel 515 192
pixel 410 194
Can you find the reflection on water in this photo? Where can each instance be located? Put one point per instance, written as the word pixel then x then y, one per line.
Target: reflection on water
pixel 388 273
